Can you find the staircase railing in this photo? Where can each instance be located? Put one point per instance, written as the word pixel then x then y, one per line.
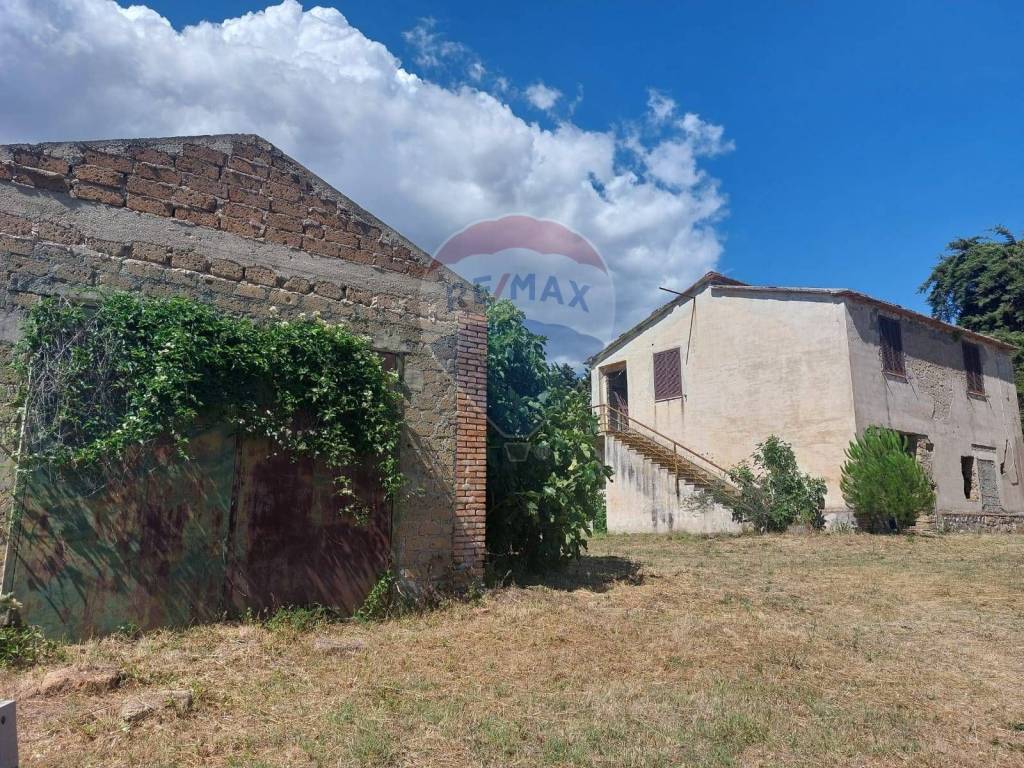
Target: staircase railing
pixel 614 421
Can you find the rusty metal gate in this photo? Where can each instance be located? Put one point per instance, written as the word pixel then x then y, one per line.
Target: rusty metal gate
pixel 163 541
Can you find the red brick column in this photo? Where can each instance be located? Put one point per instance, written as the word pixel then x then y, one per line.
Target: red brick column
pixel 471 453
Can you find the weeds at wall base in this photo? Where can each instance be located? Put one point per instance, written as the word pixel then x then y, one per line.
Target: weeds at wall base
pixel 387 600
pixel 22 647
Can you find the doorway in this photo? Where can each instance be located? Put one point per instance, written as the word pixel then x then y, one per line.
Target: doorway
pixel 617 387
pixel 988 479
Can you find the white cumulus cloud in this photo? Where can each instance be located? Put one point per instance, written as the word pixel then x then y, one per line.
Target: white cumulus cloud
pixel 543 96
pixel 661 106
pixel 432 51
pixel 426 158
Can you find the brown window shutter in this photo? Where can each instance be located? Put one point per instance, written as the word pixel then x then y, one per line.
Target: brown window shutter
pixel 668 375
pixel 891 338
pixel 972 367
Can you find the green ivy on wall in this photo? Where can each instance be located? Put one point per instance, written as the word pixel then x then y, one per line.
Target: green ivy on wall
pixel 100 380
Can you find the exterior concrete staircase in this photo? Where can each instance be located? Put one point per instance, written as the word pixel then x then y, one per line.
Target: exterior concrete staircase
pixel 686 465
pixel 683 468
pixel 656 481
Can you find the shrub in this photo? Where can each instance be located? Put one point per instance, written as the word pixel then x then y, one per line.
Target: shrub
pixel 382 601
pixel 300 618
pixel 544 475
pixel 21 645
pixel 770 492
pixel 883 484
pixel 601 517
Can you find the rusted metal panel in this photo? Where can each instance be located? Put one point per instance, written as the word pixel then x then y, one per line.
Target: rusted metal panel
pixel 159 540
pixel 162 541
pixel 170 542
pixel 296 541
pixel 141 543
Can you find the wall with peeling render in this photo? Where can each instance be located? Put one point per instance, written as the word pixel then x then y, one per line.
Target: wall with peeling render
pixel 805 364
pixel 932 401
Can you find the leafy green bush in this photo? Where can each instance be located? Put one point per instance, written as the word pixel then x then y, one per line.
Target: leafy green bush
pixel 770 492
pixel 22 646
pixel 132 370
pixel 883 484
pixel 381 603
pixel 300 618
pixel 601 517
pixel 544 475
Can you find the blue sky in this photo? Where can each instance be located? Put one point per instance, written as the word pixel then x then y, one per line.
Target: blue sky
pixel 867 135
pixel 810 144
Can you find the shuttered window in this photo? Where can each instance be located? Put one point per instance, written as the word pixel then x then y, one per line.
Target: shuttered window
pixel 972 366
pixel 668 375
pixel 891 339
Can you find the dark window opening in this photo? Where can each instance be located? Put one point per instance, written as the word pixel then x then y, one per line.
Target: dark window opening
pixel 967 470
pixel 392 361
pixel 911 443
pixel 668 375
pixel 891 339
pixel 618 399
pixel 972 366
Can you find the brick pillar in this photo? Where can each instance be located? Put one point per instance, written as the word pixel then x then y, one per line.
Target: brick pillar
pixel 471 452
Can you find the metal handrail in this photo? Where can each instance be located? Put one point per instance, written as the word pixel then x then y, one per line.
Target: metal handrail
pixel 607 412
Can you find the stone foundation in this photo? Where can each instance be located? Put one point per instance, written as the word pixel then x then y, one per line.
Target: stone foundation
pixel 980 522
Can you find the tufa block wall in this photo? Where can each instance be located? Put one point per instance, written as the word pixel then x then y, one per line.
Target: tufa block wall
pixel 232 221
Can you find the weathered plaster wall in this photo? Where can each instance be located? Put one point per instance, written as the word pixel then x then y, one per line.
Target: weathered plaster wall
pixel 643 497
pixel 666 416
pixel 932 400
pixel 753 366
pixel 771 364
pixel 232 221
pixel 806 366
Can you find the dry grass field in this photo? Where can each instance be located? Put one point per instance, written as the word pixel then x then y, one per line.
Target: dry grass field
pixel 817 650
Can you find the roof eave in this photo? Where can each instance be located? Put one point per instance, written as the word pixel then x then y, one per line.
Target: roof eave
pixel 888 306
pixel 709 278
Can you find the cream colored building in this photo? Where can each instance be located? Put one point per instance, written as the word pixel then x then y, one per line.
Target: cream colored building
pixel 724 365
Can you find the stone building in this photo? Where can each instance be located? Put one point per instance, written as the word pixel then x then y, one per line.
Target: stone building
pixel 232 221
pixel 695 386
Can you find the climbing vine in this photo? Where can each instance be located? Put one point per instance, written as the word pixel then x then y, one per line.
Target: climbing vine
pixel 100 380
